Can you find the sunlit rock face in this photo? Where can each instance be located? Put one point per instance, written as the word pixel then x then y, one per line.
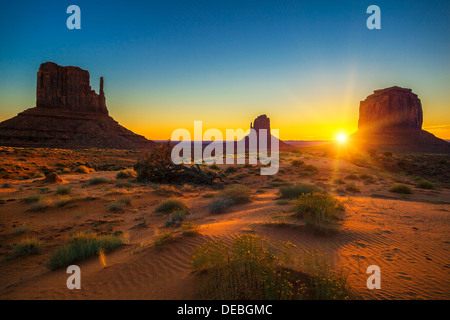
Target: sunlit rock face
pixel 392 107
pixel 391 119
pixel 68 88
pixel 68 114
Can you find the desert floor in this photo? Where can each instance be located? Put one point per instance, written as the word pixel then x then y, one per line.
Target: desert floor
pixel 406 235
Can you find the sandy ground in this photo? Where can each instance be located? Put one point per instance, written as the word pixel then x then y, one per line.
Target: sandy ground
pixel 407 236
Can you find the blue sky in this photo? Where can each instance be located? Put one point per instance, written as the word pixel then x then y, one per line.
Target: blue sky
pixel 306 64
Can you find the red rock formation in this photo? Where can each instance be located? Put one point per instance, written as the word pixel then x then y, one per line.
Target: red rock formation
pixel 68 88
pixel 391 119
pixel 68 114
pixel 262 122
pixel 391 107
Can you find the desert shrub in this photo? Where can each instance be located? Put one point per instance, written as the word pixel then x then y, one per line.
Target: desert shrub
pixel 28 247
pixel 119 204
pixel 400 188
pixel 367 178
pixel 156 166
pixel 251 268
pixel 320 210
pixel 220 205
pixel 339 181
pixel 44 190
pixel 171 205
pixel 425 184
pixel 176 218
pixel 214 167
pixel 63 190
pixel 237 193
pixel 352 177
pixel 32 199
pixel 166 190
pixel 126 174
pixel 296 190
pixel 82 246
pixel 188 188
pixel 372 152
pixel 41 205
pixel 96 181
pixel 64 201
pixel 241 176
pixel 327 283
pixel 230 170
pixel 208 195
pixel 282 202
pixel 387 154
pixel 162 237
pixel 6 185
pixel 352 188
pixel 311 169
pixel 17 231
pixel 189 228
pixel 254 268
pixel 83 169
pixel 124 184
pixel 297 163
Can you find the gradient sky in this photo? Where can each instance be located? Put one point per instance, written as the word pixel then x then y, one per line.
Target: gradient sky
pixel 306 64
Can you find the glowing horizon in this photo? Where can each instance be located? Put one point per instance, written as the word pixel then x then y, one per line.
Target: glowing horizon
pixel 306 65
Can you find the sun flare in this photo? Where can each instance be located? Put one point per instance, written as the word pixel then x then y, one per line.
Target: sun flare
pixel 341 138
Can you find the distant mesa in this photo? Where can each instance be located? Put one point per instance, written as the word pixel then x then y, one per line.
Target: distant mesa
pixel 391 119
pixel 68 114
pixel 262 122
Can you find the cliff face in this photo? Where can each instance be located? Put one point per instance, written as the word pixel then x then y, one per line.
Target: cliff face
pixel 390 108
pixel 68 114
pixel 391 119
pixel 68 88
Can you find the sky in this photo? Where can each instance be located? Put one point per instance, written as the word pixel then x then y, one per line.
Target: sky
pixel 166 64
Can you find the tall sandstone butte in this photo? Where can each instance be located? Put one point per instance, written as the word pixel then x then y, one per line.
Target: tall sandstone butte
pixel 391 119
pixel 68 114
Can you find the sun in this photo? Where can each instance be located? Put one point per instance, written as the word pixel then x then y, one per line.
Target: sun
pixel 341 138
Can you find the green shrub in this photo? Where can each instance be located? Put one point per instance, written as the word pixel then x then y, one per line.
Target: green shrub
pixel 63 190
pixel 96 181
pixel 230 170
pixel 83 169
pixel 126 174
pixel 220 205
pixel 82 246
pixel 17 231
pixel 352 177
pixel 237 193
pixel 32 199
pixel 311 169
pixel 163 237
pixel 119 204
pixel 297 163
pixel 176 218
pixel 367 178
pixel 41 205
pixel 214 167
pixel 352 188
pixel 28 247
pixel 172 205
pixel 400 188
pixel 320 210
pixel 282 202
pixel 6 185
pixel 189 228
pixel 425 184
pixel 254 268
pixel 296 190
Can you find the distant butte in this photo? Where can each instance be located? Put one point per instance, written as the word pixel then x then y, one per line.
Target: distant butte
pixel 68 114
pixel 391 119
